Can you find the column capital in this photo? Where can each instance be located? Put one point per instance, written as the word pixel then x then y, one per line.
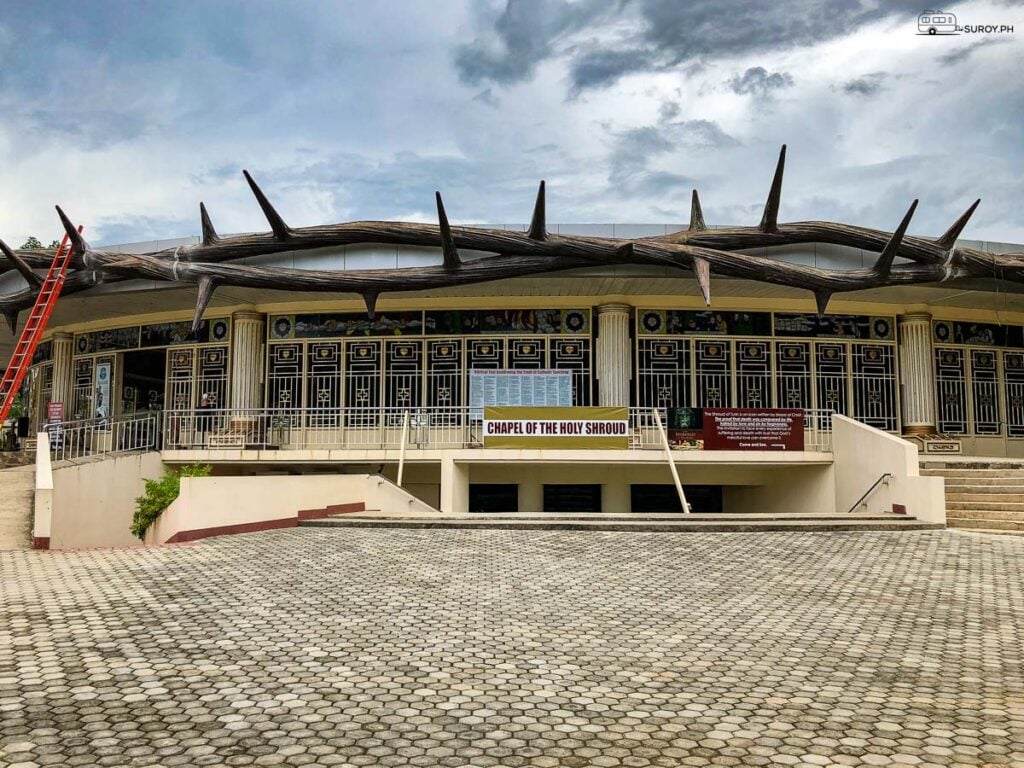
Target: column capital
pixel 62 336
pixel 914 317
pixel 247 316
pixel 614 309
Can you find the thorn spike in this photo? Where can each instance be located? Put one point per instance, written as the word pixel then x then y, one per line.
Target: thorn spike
pixel 696 215
pixel 770 219
pixel 370 297
pixel 948 240
pixel 21 265
pixel 451 253
pixel 74 236
pixel 885 259
pixel 207 285
pixel 280 229
pixel 210 235
pixel 821 298
pixel 12 320
pixel 702 270
pixel 538 224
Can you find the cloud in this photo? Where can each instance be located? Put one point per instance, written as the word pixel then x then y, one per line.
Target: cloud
pixel 510 45
pixel 757 82
pixel 486 96
pixel 361 114
pixel 868 85
pixel 604 41
pixel 598 68
pixel 635 149
pixel 962 54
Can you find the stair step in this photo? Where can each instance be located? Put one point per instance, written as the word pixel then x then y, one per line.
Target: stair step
pixel 985 514
pixel 1008 474
pixel 893 523
pixel 974 496
pixel 973 487
pixel 995 505
pixel 1002 484
pixel 976 522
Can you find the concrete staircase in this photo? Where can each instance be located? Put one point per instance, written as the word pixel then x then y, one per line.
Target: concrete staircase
pixel 981 494
pixel 17 495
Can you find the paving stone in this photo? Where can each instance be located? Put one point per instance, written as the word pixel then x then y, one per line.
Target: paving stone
pixel 517 648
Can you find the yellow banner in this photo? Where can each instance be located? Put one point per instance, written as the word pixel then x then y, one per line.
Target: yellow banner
pixel 567 428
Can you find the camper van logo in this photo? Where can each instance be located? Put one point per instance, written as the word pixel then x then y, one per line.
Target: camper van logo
pixel 945 23
pixel 937 23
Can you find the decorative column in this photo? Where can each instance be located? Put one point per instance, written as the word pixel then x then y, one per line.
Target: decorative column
pixel 917 374
pixel 247 336
pixel 613 353
pixel 63 373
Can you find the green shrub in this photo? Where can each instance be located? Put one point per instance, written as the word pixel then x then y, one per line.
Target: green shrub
pixel 160 494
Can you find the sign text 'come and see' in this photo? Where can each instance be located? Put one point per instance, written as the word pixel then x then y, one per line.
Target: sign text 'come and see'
pixel 582 427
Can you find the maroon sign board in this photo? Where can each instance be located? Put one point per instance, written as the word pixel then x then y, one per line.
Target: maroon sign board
pixel 54 413
pixel 753 429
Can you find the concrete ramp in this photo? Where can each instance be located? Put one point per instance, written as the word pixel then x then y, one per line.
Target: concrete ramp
pixel 223 505
pixel 17 494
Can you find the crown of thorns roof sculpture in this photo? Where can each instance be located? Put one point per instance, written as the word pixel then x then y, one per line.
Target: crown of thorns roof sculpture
pixel 697 249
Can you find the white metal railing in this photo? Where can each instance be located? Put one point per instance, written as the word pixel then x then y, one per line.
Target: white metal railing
pixel 92 437
pixel 382 428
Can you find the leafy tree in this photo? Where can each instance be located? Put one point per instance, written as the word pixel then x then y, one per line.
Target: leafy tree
pixel 33 244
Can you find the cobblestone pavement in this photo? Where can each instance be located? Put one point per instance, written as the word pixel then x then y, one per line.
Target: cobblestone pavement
pixel 517 648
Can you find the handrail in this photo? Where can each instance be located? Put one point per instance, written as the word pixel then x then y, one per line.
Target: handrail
pixel 885 478
pixel 671 461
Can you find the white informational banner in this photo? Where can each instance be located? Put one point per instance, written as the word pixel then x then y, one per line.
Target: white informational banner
pixel 101 404
pixel 518 387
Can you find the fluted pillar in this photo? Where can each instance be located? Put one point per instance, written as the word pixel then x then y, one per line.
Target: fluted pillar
pixel 917 374
pixel 613 353
pixel 63 372
pixel 247 335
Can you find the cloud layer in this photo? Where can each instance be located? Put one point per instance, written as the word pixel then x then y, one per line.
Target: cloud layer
pixel 128 114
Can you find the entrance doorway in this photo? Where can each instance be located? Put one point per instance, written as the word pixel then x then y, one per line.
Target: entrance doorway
pixel 572 498
pixel 143 381
pixel 658 498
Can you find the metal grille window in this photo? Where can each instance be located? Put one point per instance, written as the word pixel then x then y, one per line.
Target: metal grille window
pixel 831 379
pixel 444 373
pixel 874 385
pixel 82 395
pixel 985 392
pixel 41 390
pixel 404 371
pixel 362 382
pixel 1013 375
pixel 754 374
pixel 323 382
pixel 573 355
pixel 663 373
pixel 951 385
pixel 712 371
pixel 213 375
pixel 793 374
pixel 284 375
pixel 193 372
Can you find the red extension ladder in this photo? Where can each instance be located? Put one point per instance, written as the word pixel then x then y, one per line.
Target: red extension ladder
pixel 21 360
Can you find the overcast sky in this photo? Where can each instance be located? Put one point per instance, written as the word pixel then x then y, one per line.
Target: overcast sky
pixel 129 113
